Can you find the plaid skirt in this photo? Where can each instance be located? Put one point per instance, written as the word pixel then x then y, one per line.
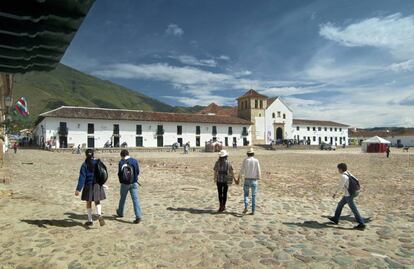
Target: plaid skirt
pixel 93 193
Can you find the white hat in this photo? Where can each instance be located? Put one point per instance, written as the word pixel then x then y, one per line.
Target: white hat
pixel 223 153
pixel 250 151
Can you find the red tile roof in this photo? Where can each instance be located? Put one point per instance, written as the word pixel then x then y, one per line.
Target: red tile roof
pixel 136 115
pixel 381 133
pixel 318 122
pixel 213 108
pixel 253 93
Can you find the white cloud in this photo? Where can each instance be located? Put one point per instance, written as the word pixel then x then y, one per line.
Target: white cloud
pixel 286 91
pixel 174 29
pixel 402 66
pixel 224 58
pixel 197 84
pixel 202 100
pixel 191 60
pixel 394 33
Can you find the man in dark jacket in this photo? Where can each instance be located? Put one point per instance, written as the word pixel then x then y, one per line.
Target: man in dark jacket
pixel 128 172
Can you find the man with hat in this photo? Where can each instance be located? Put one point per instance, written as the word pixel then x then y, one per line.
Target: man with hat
pixel 250 170
pixel 223 175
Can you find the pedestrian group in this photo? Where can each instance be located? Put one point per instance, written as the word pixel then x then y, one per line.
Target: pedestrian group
pixel 93 187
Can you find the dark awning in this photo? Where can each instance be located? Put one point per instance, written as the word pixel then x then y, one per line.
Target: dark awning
pixel 34 34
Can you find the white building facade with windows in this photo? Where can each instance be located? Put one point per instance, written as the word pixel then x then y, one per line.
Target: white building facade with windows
pixel 94 127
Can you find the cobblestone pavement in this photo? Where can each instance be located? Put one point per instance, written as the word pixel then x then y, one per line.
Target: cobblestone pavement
pixel 41 222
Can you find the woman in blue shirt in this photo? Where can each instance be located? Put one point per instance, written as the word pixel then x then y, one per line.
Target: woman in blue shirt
pixel 91 191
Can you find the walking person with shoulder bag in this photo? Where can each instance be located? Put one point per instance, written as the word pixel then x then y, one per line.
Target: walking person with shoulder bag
pixel 350 186
pixel 128 172
pixel 223 176
pixel 92 177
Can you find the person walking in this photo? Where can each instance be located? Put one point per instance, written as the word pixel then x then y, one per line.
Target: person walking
pixel 15 147
pixel 223 175
pixel 91 191
pixel 388 151
pixel 128 172
pixel 250 171
pixel 350 193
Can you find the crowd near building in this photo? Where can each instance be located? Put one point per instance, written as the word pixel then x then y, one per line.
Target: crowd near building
pixel 257 119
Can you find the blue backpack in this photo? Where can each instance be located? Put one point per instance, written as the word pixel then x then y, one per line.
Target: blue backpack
pixel 354 186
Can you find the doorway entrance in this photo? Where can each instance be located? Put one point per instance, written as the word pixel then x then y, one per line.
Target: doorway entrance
pixel 160 141
pixel 91 142
pixel 279 134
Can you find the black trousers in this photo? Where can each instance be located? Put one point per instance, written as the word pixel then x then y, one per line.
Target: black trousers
pixel 222 189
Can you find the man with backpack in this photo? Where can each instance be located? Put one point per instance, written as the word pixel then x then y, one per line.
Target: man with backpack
pixel 128 172
pixel 350 186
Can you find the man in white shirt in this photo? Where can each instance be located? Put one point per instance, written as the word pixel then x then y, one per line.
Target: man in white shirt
pixel 343 186
pixel 250 170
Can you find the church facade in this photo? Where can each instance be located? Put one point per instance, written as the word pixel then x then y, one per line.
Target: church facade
pixel 273 121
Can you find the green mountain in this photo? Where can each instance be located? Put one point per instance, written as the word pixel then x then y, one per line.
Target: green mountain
pixel 66 86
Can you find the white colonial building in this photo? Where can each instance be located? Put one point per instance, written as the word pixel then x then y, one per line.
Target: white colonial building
pixel 93 127
pixel 273 121
pixel 256 120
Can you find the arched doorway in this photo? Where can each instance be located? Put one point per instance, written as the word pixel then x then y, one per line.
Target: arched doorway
pixel 279 134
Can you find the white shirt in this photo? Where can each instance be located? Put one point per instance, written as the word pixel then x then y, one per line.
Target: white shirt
pixel 251 168
pixel 343 184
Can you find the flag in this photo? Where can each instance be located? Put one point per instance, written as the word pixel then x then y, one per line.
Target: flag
pixel 21 106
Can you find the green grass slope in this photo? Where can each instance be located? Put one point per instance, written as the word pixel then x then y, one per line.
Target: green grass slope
pixel 66 86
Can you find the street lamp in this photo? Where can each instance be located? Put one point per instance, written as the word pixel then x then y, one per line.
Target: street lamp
pixel 8 101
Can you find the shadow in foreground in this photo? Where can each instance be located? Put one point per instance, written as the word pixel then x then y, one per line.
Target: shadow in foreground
pixel 203 211
pixel 62 223
pixel 349 218
pixel 84 217
pixel 312 224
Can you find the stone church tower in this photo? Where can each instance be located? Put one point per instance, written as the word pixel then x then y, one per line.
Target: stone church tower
pixel 252 105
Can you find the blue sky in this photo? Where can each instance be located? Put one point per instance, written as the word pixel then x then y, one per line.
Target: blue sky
pixel 350 61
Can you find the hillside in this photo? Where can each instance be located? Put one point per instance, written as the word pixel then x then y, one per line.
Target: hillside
pixel 66 86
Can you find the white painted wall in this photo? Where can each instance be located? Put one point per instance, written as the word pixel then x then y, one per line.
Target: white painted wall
pixel 275 107
pixel 77 132
pixel 407 141
pixel 326 133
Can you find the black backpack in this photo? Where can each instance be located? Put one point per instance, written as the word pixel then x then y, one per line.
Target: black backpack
pixel 127 173
pixel 354 186
pixel 101 174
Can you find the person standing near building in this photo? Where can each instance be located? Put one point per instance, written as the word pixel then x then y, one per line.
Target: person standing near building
pixel 128 172
pixel 91 191
pixel 15 147
pixel 350 193
pixel 388 151
pixel 223 175
pixel 186 148
pixel 250 171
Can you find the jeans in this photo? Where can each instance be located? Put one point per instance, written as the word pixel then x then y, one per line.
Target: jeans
pixel 350 201
pixel 222 189
pixel 133 189
pixel 250 184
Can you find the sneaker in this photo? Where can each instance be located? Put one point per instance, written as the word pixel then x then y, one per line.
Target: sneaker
pixel 101 221
pixel 137 221
pixel 333 220
pixel 245 211
pixel 360 227
pixel 88 223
